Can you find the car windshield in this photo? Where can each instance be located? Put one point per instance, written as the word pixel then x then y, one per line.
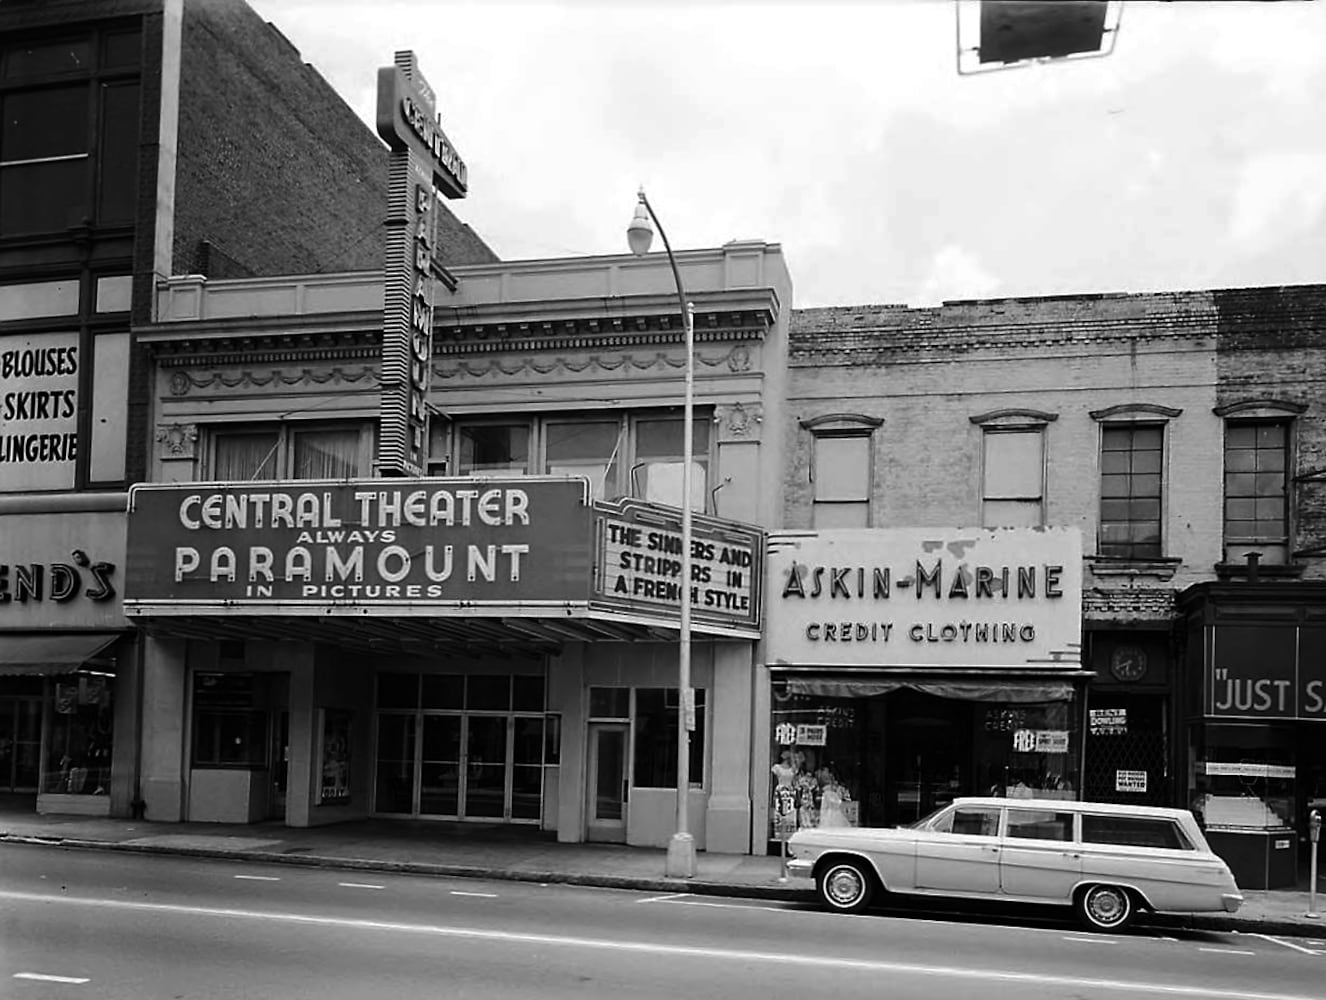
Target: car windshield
pixel 925 820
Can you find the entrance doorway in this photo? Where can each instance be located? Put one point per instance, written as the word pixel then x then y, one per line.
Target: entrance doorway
pixel 928 754
pixel 607 784
pixel 20 743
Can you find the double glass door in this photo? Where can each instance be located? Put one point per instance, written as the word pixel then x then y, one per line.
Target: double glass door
pixel 464 765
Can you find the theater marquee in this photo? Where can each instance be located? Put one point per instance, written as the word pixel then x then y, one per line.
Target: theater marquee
pixel 926 598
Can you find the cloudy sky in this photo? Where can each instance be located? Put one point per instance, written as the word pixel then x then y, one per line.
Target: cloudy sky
pixel 1193 156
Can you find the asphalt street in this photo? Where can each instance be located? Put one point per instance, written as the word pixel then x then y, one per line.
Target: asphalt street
pixel 87 924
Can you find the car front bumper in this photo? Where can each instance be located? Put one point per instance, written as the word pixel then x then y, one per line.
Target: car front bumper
pixel 801 868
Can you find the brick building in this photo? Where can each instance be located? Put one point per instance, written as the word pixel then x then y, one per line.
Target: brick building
pixel 1179 433
pixel 141 139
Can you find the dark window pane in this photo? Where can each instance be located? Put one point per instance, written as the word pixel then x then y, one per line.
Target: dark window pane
pixel 528 693
pixel 245 456
pixel 441 738
pixel 494 448
pixel 1241 435
pixel 663 438
pixel 48 57
pixel 527 746
pixel 119 153
pixel 526 791
pixel 1114 462
pixel 43 197
pixel 488 693
pixel 1146 486
pixel 609 702
pixel 1271 436
pixel 656 723
pixel 1240 460
pixel 444 691
pixel 1133 832
pixel 121 49
pixel 52 122
pixel 398 690
pixel 326 454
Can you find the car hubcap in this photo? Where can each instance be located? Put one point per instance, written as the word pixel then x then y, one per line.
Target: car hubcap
pixel 845 886
pixel 1107 906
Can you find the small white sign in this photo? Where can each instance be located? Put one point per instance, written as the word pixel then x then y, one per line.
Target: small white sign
pixel 1108 721
pixel 785 734
pixel 812 735
pixel 688 708
pixel 1024 740
pixel 1130 781
pixel 1249 770
pixel 1052 741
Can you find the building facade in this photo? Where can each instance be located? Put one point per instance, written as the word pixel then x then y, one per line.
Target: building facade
pixel 141 139
pixel 1178 434
pixel 542 692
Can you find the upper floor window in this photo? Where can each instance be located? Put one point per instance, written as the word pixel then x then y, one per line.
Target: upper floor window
pixel 69 113
pixel 1013 476
pixel 1256 501
pixel 622 454
pixel 324 451
pixel 1131 459
pixel 841 469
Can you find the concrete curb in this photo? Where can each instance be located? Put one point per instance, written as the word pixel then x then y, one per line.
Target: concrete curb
pixel 774 893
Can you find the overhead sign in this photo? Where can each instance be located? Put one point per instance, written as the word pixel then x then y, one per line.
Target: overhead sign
pixel 38 411
pixel 61 570
pixel 1266 672
pixel 638 559
pixel 421 162
pixel 343 547
pixel 925 598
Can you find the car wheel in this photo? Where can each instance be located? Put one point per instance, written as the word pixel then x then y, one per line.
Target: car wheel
pixel 1105 907
pixel 846 886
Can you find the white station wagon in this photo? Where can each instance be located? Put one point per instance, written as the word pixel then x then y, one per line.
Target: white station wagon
pixel 1106 861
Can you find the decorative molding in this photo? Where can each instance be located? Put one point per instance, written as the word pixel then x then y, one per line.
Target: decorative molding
pixel 739 421
pixel 626 363
pixel 1263 406
pixel 1014 417
pixel 177 442
pixel 841 422
pixel 183 382
pixel 1156 569
pixel 1135 411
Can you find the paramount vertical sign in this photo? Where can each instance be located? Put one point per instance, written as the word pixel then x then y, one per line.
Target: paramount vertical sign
pixel 422 163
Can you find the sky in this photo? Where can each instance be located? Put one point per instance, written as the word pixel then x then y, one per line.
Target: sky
pixel 1192 156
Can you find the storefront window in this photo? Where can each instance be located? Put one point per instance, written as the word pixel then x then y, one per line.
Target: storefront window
pixel 656 738
pixel 78 746
pixel 1243 778
pixel 228 730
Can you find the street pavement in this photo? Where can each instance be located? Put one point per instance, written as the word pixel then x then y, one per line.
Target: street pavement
pixel 115 925
pixel 523 854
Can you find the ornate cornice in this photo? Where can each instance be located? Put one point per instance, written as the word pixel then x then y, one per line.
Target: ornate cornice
pixel 736 359
pixel 182 382
pixel 595 332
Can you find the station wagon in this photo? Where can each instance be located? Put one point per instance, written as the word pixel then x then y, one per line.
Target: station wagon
pixel 1106 861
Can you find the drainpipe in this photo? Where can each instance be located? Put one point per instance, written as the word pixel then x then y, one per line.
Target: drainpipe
pixel 1253 559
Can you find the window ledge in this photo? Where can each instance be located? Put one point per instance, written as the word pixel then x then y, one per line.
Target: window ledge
pixel 1239 571
pixel 1160 569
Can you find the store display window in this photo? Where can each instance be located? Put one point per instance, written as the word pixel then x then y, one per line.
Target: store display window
pixel 1242 777
pixel 78 742
pixel 815 769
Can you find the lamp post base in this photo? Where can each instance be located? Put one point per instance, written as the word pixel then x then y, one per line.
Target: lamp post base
pixel 681 856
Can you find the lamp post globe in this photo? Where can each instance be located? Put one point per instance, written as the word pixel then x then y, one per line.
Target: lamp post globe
pixel 681 846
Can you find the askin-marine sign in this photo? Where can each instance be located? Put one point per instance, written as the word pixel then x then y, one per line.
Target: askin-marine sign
pixel 397 546
pixel 926 598
pixel 422 161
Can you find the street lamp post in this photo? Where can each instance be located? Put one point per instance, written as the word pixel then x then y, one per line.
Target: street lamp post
pixel 681 848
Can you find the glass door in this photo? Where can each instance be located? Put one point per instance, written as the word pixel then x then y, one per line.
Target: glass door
pixel 20 744
pixel 439 773
pixel 486 766
pixel 395 785
pixel 607 782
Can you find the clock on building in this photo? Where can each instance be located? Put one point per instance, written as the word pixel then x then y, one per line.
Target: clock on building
pixel 1128 663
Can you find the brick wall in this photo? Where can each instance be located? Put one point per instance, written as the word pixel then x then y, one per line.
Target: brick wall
pixel 276 172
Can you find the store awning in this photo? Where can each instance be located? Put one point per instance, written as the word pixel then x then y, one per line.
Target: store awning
pixel 37 655
pixel 1006 691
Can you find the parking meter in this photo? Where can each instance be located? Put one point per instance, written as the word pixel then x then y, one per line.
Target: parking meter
pixel 1314 835
pixel 1314 826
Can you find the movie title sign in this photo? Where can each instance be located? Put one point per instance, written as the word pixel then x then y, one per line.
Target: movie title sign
pixel 340 545
pixel 639 565
pixel 421 164
pixel 976 597
pixel 38 411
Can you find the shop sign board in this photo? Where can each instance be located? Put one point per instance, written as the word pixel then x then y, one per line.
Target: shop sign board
pixel 926 598
pixel 1266 672
pixel 1107 721
pixel 343 547
pixel 1130 781
pixel 38 411
pixel 812 735
pixel 62 570
pixel 421 162
pixel 638 547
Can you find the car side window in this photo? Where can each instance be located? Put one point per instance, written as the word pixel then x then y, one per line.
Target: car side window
pixel 1134 831
pixel 970 821
pixel 1035 824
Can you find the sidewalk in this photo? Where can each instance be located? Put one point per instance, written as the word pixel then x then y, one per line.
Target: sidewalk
pixel 507 852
